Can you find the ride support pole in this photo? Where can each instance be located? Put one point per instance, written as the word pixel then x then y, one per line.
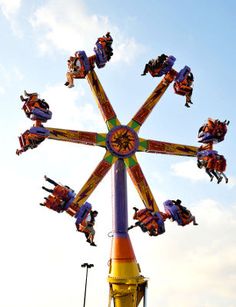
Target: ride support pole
pixel 127 285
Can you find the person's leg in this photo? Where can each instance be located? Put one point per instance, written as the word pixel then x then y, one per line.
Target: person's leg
pixel 226 178
pixel 50 180
pixel 48 190
pixel 208 171
pixel 194 221
pixel 145 70
pixel 70 79
pixel 189 95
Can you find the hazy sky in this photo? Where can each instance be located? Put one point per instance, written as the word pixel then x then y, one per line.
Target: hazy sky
pixel 41 252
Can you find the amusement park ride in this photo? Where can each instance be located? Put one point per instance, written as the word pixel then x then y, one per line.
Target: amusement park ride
pixel 121 142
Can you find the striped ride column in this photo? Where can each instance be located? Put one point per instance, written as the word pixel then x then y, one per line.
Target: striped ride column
pixel 127 286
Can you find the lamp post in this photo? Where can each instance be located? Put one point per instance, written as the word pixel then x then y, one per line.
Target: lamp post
pixel 87 266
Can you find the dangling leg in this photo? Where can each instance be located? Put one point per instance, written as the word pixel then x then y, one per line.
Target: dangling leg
pixel 188 98
pixel 208 171
pixel 91 236
pixel 48 190
pixel 218 177
pixel 70 80
pixel 226 179
pixel 50 180
pixel 145 70
pixel 200 164
pixel 194 221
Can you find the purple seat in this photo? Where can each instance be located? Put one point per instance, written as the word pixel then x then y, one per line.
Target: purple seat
pixel 41 131
pixel 160 222
pixel 208 138
pixel 182 74
pixel 101 57
pixel 83 212
pixel 206 153
pixel 40 114
pixel 167 65
pixel 69 202
pixel 173 210
pixel 83 57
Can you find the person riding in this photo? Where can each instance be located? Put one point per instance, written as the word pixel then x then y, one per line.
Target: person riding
pixel 106 42
pixel 32 101
pixel 29 140
pixel 54 203
pixel 63 192
pixel 148 221
pixel 76 69
pixel 220 167
pixel 185 88
pixel 186 215
pixel 87 227
pixel 154 64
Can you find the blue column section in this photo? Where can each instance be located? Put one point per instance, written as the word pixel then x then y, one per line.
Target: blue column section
pixel 120 211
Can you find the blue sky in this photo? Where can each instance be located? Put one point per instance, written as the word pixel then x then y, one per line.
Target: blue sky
pixel 41 252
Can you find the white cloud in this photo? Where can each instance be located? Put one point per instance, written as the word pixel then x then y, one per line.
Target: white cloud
pixel 8 74
pixel 71 110
pixel 232 182
pixel 10 10
pixel 69 26
pixel 188 169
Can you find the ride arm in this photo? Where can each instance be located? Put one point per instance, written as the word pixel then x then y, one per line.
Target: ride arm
pixel 99 173
pixel 81 137
pixel 167 148
pixel 103 102
pixel 139 180
pixel 142 114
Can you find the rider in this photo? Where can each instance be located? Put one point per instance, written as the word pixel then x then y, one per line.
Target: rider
pixel 154 64
pixel 28 140
pixel 87 228
pixel 220 167
pixel 186 215
pixel 59 190
pixel 55 203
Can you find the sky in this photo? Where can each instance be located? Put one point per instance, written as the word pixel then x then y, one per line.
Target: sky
pixel 41 251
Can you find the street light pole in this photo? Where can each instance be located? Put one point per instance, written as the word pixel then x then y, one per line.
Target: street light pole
pixel 87 266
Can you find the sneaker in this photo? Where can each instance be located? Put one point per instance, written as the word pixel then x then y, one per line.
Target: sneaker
pixel 93 244
pixel 67 83
pixel 186 105
pixel 135 209
pixel 71 85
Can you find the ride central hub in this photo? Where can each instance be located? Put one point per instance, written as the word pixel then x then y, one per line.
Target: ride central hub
pixel 122 141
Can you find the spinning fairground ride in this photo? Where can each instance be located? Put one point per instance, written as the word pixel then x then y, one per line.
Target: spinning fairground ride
pixel 121 142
